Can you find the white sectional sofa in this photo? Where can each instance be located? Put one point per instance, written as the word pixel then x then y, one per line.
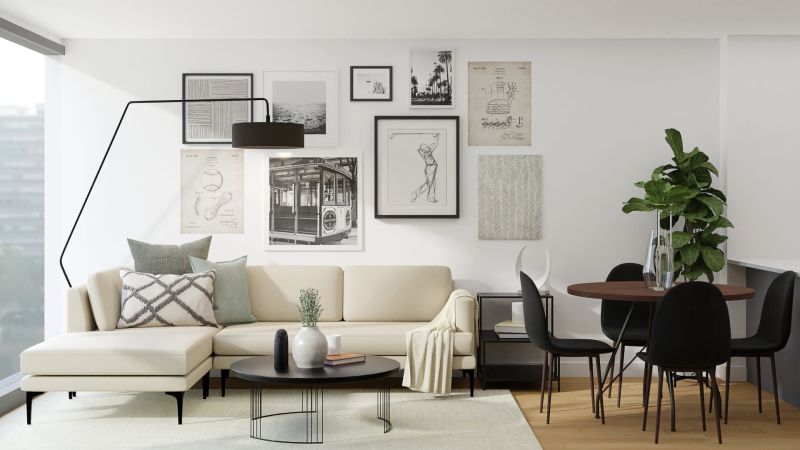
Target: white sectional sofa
pixel 371 307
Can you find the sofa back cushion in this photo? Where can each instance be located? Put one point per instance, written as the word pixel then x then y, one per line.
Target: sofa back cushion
pixel 274 291
pixel 105 297
pixel 395 293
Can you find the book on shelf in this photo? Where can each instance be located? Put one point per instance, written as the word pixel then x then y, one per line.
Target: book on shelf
pixel 344 358
pixel 512 335
pixel 508 326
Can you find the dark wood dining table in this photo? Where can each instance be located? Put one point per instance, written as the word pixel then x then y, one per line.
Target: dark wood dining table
pixel 636 292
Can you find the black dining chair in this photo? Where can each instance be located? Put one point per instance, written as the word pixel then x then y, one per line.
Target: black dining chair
pixel 691 332
pixel 613 314
pixel 771 337
pixel 536 327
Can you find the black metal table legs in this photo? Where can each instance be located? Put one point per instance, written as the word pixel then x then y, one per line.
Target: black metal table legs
pixel 312 405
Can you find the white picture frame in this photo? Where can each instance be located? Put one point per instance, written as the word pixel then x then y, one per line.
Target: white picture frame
pixel 282 233
pixel 428 90
pixel 310 97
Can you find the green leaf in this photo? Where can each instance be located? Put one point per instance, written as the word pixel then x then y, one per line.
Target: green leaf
pixel 693 273
pixel 690 253
pixel 710 167
pixel 713 258
pixel 636 204
pixel 639 184
pixel 713 203
pixel 716 192
pixel 721 222
pixel 680 238
pixel 713 239
pixel 675 141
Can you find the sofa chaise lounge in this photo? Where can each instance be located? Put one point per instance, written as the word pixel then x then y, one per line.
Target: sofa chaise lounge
pixel 371 307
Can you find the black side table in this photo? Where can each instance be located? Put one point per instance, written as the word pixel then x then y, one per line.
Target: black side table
pixel 505 372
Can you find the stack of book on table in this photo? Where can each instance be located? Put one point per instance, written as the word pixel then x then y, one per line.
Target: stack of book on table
pixel 344 358
pixel 510 330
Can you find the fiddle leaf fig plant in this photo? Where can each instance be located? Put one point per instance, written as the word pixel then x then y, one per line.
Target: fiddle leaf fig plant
pixel 682 189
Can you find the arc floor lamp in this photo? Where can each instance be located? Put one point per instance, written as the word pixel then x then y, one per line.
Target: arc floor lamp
pixel 258 135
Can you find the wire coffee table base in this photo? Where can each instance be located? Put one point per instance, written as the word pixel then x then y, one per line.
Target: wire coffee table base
pixel 312 405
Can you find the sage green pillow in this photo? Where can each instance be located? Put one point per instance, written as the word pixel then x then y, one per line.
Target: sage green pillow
pixel 167 259
pixel 231 297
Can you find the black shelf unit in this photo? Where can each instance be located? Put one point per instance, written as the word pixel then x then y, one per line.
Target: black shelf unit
pixel 509 374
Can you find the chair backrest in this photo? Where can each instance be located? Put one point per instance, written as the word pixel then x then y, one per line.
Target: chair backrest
pixel 776 313
pixel 691 328
pixel 613 313
pixel 533 310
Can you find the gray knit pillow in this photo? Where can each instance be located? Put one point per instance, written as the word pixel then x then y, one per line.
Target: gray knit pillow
pixel 167 259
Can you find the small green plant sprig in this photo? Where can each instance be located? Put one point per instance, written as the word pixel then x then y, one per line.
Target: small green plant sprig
pixel 310 307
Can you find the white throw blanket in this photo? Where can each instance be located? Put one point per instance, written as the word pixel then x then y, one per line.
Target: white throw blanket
pixel 429 364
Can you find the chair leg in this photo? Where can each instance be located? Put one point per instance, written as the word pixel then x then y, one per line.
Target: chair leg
pixel 550 374
pixel 727 388
pixel 544 381
pixel 591 380
pixel 29 396
pixel 717 403
pixel 179 397
pixel 671 383
pixel 471 375
pixel 611 376
pixel 758 379
pixel 600 391
pixel 700 382
pixel 621 369
pixel 648 380
pixel 206 384
pixel 557 371
pixel 775 388
pixel 223 375
pixel 658 402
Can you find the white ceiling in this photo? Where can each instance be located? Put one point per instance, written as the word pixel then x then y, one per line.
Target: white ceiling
pixel 422 19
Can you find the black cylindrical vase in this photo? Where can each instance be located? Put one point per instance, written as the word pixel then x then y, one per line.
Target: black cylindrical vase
pixel 281 352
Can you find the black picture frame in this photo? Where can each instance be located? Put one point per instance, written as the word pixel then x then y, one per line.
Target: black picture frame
pixel 185 77
pixel 391 84
pixel 377 213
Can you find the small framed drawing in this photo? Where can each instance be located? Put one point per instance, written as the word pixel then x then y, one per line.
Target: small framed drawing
pixel 210 123
pixel 431 78
pixel 371 83
pixel 310 97
pixel 416 167
pixel 314 202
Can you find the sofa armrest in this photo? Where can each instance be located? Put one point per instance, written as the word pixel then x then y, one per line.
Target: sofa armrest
pixel 466 313
pixel 79 312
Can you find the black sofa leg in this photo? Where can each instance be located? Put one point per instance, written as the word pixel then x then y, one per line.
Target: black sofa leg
pixel 471 375
pixel 206 384
pixel 223 375
pixel 29 396
pixel 179 397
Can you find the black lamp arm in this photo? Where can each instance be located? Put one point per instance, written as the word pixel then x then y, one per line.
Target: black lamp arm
pixel 110 144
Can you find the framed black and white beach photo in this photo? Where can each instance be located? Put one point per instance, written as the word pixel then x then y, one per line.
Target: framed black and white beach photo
pixel 314 202
pixel 371 83
pixel 431 78
pixel 210 123
pixel 310 97
pixel 416 167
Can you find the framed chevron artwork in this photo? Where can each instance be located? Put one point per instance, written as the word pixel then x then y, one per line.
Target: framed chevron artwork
pixel 510 200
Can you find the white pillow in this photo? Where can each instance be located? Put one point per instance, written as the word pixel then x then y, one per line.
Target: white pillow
pixel 167 300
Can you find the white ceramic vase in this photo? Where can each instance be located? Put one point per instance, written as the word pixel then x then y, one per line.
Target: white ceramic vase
pixel 309 348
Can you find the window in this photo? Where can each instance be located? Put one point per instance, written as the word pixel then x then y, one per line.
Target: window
pixel 340 192
pixel 328 189
pixel 21 205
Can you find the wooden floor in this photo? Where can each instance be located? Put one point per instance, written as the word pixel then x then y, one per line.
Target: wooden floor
pixel 573 426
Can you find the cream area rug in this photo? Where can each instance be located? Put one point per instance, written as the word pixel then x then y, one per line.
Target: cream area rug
pixel 491 419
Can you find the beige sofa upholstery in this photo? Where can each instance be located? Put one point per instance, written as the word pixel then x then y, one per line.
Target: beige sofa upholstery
pixel 371 307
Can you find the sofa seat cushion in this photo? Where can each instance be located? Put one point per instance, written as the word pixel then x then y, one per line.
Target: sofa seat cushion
pixel 370 338
pixel 130 351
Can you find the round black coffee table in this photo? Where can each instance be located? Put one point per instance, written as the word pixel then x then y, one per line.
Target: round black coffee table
pixel 259 370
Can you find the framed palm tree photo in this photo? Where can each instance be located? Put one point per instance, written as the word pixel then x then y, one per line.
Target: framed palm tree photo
pixel 431 78
pixel 416 167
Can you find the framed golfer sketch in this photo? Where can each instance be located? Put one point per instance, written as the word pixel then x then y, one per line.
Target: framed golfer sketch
pixel 416 167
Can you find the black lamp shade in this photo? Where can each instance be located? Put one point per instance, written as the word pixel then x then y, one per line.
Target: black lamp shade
pixel 268 135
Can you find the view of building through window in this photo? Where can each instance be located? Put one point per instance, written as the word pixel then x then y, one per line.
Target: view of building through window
pixel 21 204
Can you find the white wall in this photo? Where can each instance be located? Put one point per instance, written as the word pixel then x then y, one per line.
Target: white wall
pixel 599 108
pixel 763 145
